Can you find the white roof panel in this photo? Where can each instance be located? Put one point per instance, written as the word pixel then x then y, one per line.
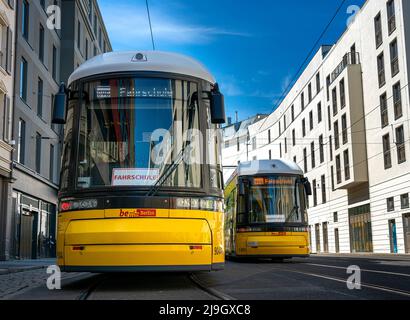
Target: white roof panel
pixel 155 61
pixel 268 167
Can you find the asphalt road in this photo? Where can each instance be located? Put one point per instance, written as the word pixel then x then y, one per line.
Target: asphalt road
pixel 314 278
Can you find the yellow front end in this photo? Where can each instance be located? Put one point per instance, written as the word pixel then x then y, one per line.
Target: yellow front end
pixel 173 240
pixel 271 244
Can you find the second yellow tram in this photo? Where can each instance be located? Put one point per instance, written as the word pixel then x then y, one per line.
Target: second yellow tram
pixel 266 211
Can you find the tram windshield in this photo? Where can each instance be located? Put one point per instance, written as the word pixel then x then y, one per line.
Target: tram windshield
pixel 133 129
pixel 274 199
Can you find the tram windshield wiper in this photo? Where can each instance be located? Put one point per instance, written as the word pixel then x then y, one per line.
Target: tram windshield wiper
pixel 175 163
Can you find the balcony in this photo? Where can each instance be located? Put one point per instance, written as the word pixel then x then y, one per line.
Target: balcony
pixel 348 59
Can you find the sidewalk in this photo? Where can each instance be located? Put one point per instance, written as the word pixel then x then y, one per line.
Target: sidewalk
pixel 14 266
pixel 376 256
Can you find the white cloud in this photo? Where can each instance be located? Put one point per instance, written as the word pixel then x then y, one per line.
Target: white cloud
pixel 128 27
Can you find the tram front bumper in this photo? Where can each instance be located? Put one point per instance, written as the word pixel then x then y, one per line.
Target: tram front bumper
pixel 293 244
pixel 104 245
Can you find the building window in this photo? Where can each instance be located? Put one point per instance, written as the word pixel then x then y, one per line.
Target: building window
pixel 86 49
pixel 79 35
pixel 41 44
pixel 344 129
pixel 310 92
pixel 284 122
pixel 378 30
pixel 280 128
pixel 254 143
pixel 334 101
pixel 318 83
pixel 95 24
pixel 319 112
pixel 270 154
pixel 23 79
pixel 38 152
pixel 280 150
pixel 314 193
pixel 387 152
pixel 25 19
pixel 401 147
pixel 312 152
pixel 321 150
pixel 40 94
pixel 380 70
pixel 302 101
pixel 305 160
pixel 269 137
pixel 338 170
pixel 404 201
pixel 294 159
pixel 335 217
pixel 394 58
pixel 292 111
pixel 390 204
pixel 323 188
pixel 238 147
pixel 293 137
pixel 54 67
pixel 51 163
pixel 286 145
pixel 384 113
pixel 342 94
pixel 331 147
pixel 336 133
pixel 391 16
pixel 332 177
pixel 329 119
pixel 346 164
pixel 21 148
pixel 327 87
pixel 398 112
pixel 311 120
pixel 303 128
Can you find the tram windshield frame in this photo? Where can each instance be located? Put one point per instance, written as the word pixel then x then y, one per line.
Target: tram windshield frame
pixel 272 199
pixel 128 123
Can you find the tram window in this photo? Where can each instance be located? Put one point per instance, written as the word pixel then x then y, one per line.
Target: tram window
pixel 131 130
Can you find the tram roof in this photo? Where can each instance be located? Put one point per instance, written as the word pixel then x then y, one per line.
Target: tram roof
pixel 152 61
pixel 279 166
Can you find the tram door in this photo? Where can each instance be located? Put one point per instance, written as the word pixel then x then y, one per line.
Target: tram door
pixel 28 238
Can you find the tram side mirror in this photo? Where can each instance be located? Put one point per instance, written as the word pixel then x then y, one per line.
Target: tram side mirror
pixel 308 187
pixel 59 108
pixel 217 106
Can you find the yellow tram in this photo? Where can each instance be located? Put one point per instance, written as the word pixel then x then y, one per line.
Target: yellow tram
pixel 266 211
pixel 141 180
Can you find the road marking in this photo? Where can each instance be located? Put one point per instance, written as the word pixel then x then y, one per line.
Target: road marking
pixel 365 270
pixel 370 286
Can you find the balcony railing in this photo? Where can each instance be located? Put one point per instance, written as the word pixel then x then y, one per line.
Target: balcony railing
pixel 348 59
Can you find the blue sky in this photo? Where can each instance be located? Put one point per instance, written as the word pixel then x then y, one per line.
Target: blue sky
pixel 252 47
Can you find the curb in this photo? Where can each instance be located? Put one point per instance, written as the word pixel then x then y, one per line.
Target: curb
pixel 19 270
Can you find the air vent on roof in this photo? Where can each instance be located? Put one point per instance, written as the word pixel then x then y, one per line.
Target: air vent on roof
pixel 139 57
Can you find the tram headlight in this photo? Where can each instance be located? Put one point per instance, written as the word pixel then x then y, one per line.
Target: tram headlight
pixel 78 205
pixel 207 205
pixel 195 204
pixel 183 203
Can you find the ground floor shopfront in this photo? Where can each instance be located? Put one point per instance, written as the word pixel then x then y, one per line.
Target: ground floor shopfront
pixel 33 217
pixel 391 233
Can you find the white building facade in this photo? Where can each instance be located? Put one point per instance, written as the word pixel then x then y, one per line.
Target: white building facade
pixel 346 122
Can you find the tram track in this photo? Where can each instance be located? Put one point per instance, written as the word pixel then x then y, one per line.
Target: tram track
pixel 85 295
pixel 210 291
